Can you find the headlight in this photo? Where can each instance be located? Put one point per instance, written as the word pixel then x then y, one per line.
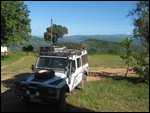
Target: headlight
pixel 23 86
pixel 37 93
pixel 27 92
pixel 51 91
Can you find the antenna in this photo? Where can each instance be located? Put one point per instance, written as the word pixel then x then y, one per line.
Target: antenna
pixel 51 32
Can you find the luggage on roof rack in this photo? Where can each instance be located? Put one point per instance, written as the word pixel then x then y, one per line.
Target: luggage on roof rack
pixel 58 51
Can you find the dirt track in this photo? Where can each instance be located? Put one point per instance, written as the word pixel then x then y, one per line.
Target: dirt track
pixel 110 71
pixel 16 62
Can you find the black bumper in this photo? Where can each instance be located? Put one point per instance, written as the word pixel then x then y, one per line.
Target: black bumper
pixel 43 92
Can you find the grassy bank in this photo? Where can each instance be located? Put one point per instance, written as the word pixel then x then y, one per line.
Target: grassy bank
pixel 105 60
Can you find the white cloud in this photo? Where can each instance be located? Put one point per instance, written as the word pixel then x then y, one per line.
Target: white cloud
pixel 129 33
pixel 69 34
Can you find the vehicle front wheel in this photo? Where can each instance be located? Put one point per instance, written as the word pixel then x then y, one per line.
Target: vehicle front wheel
pixel 62 101
pixel 26 100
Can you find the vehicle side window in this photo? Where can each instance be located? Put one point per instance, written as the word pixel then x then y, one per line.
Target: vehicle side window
pixel 78 62
pixel 73 66
pixel 84 59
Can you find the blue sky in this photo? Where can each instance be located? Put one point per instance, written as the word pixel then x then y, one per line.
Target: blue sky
pixel 82 17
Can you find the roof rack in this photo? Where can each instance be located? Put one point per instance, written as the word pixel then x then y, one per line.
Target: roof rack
pixel 58 51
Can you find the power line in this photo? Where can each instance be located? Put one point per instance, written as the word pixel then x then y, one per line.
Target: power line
pixel 38 29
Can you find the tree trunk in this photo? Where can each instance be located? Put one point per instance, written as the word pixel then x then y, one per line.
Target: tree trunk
pixel 127 71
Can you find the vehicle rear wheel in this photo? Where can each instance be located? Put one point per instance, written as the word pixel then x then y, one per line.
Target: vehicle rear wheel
pixel 83 82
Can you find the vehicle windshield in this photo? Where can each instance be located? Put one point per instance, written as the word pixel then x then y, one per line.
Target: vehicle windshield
pixel 50 62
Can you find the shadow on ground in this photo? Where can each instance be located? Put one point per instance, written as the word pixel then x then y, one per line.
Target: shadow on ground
pixel 134 80
pixel 9 103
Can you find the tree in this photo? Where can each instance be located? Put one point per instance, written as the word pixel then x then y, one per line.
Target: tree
pixel 28 48
pixel 141 20
pixel 15 22
pixel 126 43
pixel 57 32
pixel 141 23
pixel 141 66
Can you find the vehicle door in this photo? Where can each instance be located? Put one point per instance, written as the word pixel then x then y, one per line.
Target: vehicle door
pixel 76 75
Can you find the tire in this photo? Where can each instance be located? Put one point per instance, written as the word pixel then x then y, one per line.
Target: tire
pixel 83 82
pixel 62 101
pixel 26 100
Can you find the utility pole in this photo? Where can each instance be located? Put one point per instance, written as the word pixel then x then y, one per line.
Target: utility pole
pixel 51 32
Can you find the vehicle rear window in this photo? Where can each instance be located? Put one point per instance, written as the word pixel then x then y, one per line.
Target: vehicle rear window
pixel 84 59
pixel 78 62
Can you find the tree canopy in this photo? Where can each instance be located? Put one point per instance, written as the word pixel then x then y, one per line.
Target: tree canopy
pixel 141 23
pixel 15 22
pixel 28 48
pixel 141 20
pixel 57 32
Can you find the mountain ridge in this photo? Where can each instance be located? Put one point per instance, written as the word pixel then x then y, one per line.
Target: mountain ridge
pixel 36 41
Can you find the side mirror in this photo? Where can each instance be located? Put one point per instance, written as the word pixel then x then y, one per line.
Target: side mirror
pixel 32 67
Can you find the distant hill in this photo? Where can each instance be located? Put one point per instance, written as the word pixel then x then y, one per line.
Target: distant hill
pixel 78 38
pixel 95 46
pixel 36 42
pixel 112 38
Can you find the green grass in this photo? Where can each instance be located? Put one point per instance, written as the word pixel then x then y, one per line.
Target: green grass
pixel 11 58
pixel 112 95
pixel 14 57
pixel 105 61
pixel 94 60
pixel 23 67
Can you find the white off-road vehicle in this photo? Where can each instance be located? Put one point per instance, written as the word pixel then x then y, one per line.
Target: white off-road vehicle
pixel 57 70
